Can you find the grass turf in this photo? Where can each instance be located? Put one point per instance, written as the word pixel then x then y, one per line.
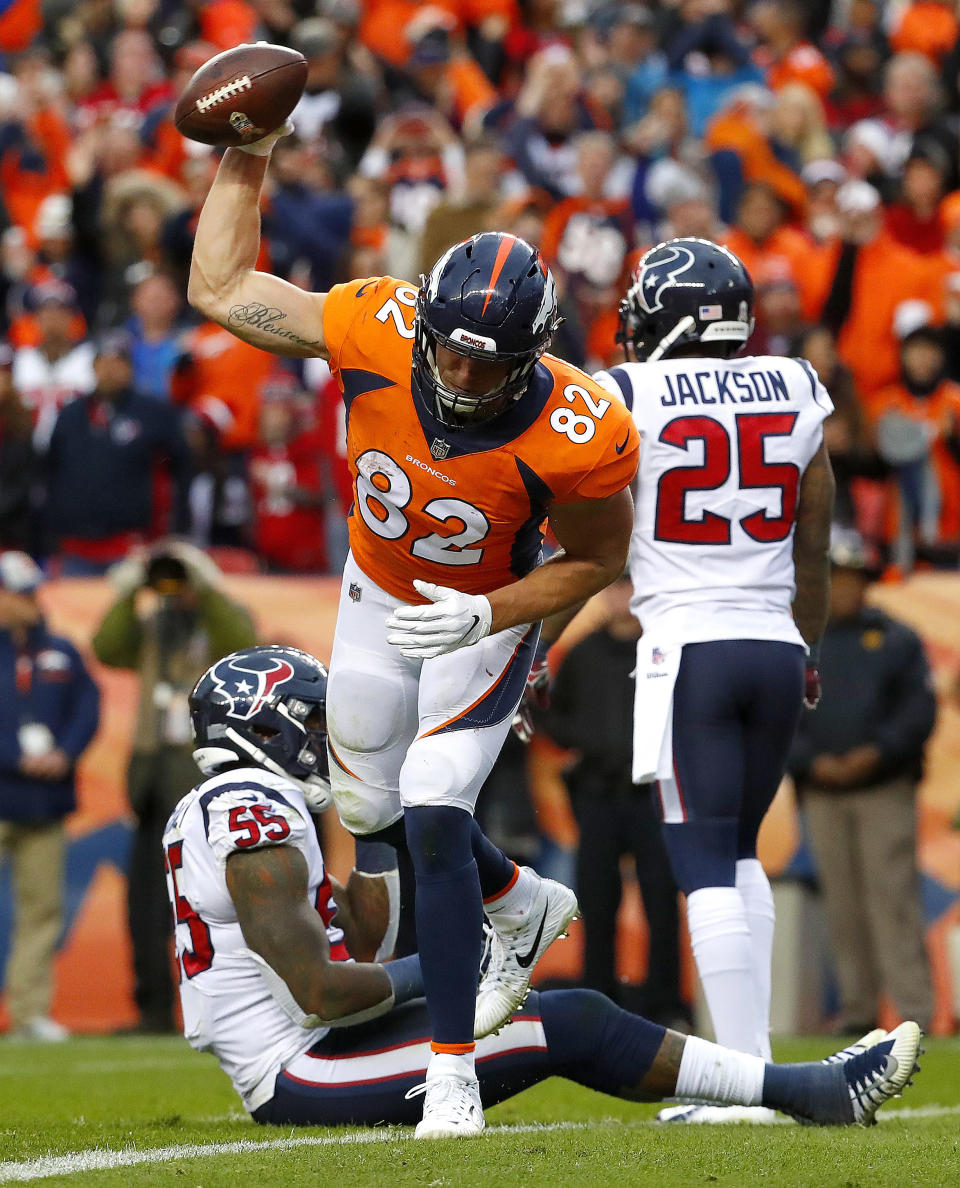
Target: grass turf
pixel 140 1095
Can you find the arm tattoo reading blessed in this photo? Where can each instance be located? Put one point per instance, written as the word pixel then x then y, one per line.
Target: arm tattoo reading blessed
pixel 266 319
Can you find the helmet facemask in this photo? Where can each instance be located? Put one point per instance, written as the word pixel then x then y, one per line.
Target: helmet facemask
pixel 490 298
pixel 461 410
pixel 294 746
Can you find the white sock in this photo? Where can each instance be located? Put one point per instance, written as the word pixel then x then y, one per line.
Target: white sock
pixel 754 888
pixel 722 949
pixel 717 1075
pixel 513 905
pixel 450 1064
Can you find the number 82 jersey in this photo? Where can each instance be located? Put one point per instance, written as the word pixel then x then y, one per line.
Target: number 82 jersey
pixel 463 508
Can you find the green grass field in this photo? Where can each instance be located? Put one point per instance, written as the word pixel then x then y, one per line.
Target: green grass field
pixel 139 1111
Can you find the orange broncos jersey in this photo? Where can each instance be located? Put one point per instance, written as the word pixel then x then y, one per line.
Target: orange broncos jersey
pixel 460 508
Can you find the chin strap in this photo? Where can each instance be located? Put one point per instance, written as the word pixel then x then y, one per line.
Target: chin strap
pixel 665 343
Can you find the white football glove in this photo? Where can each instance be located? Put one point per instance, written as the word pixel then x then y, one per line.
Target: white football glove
pixel 450 620
pixel 264 146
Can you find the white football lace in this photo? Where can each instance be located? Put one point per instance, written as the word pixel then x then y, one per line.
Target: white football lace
pixel 442 1092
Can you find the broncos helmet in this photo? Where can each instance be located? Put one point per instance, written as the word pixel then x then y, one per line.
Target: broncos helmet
pixel 265 706
pixel 490 297
pixel 686 291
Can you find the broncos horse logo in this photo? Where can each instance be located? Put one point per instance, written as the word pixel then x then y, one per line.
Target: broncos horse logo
pixel 248 689
pixel 655 275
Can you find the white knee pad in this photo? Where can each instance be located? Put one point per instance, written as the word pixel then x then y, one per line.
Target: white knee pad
pixel 365 710
pixel 444 769
pixel 361 807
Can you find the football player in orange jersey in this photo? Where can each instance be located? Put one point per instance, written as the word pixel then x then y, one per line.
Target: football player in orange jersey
pixel 462 438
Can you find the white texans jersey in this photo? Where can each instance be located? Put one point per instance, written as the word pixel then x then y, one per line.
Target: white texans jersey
pixel 724 444
pixel 228 1008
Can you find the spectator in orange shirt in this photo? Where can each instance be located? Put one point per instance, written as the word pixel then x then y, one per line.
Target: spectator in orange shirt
pixel 917 424
pixel 220 378
pixel 763 241
pixel 34 140
pixel 870 275
pixel 927 27
pixel 784 51
pixel 440 73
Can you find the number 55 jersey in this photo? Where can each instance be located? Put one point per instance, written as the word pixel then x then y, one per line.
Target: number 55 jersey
pixel 724 444
pixel 229 1002
pixel 462 507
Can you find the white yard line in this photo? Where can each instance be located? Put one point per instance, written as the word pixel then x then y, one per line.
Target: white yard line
pixel 105 1160
pixel 89 1161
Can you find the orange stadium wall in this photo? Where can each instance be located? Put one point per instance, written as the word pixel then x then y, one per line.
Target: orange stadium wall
pixel 93 972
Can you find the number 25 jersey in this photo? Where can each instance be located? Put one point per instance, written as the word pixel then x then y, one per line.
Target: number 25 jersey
pixel 463 508
pixel 724 444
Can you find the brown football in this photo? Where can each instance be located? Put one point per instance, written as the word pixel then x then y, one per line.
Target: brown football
pixel 241 94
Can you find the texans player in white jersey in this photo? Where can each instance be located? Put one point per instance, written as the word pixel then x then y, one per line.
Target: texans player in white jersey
pixel 728 559
pixel 267 941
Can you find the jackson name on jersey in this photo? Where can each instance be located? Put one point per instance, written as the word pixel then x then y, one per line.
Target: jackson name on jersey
pixel 224 994
pixel 460 508
pixel 724 444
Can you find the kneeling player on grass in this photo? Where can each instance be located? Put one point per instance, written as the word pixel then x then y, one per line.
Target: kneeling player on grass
pixel 309 1035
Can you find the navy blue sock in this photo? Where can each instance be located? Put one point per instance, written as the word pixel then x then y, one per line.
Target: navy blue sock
pixel 595 1043
pixel 493 866
pixel 817 1092
pixel 449 917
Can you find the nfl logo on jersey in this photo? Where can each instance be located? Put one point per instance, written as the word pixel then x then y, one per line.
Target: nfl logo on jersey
pixel 657 656
pixel 439 448
pixel 354 591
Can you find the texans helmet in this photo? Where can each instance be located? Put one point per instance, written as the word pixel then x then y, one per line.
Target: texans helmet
pixel 492 298
pixel 686 291
pixel 266 706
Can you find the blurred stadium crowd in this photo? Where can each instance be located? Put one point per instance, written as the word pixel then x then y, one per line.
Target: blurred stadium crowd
pixel 816 139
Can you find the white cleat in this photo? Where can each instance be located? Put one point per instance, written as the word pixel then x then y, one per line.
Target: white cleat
pixel 693 1115
pixel 882 1071
pixel 857 1048
pixel 515 950
pixel 451 1108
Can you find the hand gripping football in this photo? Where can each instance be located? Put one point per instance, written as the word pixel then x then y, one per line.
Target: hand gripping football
pixel 241 94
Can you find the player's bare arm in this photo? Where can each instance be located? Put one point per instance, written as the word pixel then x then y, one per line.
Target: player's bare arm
pixel 225 286
pixel 594 536
pixel 811 546
pixel 269 891
pixel 363 912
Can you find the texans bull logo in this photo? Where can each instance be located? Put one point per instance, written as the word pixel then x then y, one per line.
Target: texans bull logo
pixel 661 273
pixel 248 689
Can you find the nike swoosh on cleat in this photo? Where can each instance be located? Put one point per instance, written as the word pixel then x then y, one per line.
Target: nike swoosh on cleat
pixel 527 958
pixel 621 448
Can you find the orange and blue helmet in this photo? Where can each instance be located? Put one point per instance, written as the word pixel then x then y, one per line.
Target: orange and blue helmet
pixel 492 298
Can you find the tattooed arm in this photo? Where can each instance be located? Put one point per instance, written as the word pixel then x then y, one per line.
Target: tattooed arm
pixel 224 285
pixel 269 891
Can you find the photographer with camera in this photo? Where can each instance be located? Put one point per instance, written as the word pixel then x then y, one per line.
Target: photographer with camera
pixel 189 624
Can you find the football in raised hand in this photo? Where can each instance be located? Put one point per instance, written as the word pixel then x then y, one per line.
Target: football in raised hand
pixel 241 94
